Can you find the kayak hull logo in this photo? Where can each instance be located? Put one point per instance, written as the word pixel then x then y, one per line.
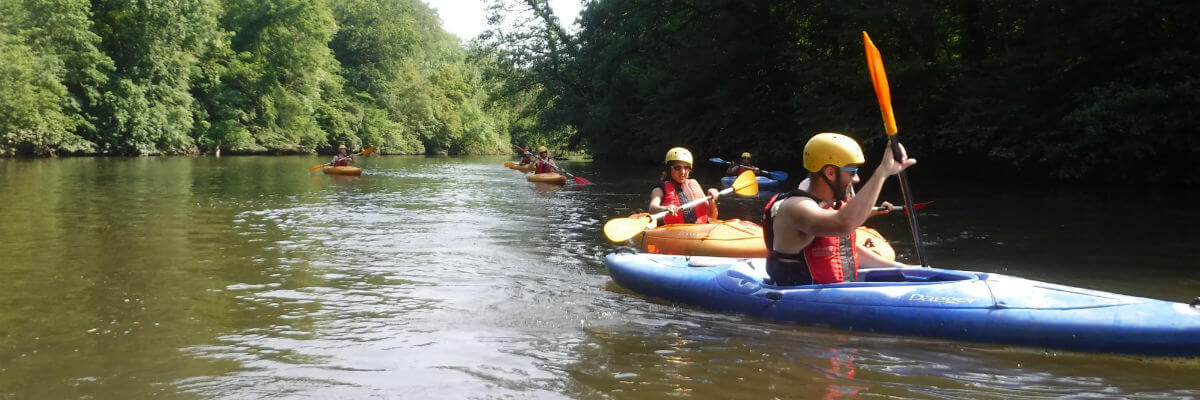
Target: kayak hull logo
pixel 940 299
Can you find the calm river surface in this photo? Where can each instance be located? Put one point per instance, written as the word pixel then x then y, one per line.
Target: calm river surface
pixel 453 278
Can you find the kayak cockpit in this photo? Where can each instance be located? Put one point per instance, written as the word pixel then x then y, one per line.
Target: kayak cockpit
pixel 757 268
pixel 914 275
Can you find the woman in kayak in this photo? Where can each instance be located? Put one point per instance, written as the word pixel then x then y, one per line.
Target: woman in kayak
pixel 677 188
pixel 737 168
pixel 342 159
pixel 810 233
pixel 543 164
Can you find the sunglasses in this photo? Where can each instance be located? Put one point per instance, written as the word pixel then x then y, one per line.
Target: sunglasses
pixel 851 170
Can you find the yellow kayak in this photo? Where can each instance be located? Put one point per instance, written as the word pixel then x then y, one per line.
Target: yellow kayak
pixel 733 238
pixel 549 177
pixel 518 167
pixel 345 170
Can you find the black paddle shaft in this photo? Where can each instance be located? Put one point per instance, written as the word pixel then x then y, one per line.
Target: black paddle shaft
pixel 906 192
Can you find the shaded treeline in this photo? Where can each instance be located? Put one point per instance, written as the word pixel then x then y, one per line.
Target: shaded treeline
pixel 128 77
pixel 1067 89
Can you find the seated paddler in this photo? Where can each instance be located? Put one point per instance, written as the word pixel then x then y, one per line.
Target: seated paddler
pixel 543 163
pixel 736 168
pixel 342 159
pixel 810 233
pixel 676 188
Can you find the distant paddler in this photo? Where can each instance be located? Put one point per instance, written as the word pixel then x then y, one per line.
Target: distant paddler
pixel 769 179
pixel 737 168
pixel 339 164
pixel 526 159
pixel 342 159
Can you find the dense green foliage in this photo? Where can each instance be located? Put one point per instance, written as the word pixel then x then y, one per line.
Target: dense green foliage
pixel 1065 89
pixel 129 77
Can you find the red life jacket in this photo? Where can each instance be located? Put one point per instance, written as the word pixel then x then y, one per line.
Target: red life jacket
pixel 339 161
pixel 525 160
pixel 691 191
pixel 743 168
pixel 542 167
pixel 828 259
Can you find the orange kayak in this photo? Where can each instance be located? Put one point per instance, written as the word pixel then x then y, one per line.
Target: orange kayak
pixel 872 240
pixel 729 238
pixel 549 177
pixel 733 238
pixel 518 167
pixel 346 170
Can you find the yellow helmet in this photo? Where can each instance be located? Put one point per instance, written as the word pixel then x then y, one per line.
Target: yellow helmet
pixel 341 146
pixel 746 155
pixel 678 154
pixel 543 149
pixel 831 149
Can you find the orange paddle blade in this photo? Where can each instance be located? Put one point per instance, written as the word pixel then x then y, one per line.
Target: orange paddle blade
pixel 879 80
pixel 315 168
pixel 368 150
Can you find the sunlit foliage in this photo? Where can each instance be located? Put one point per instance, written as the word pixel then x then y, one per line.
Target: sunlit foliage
pixel 129 77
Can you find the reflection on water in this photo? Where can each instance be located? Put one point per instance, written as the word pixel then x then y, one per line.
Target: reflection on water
pixel 246 277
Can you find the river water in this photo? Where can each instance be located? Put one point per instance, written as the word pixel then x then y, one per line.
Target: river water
pixel 441 277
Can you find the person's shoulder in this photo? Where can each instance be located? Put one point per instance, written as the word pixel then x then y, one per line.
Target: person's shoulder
pixel 799 203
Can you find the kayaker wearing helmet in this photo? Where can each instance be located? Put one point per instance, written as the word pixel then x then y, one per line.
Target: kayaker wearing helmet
pixel 342 159
pixel 525 157
pixel 810 234
pixel 737 168
pixel 677 188
pixel 543 164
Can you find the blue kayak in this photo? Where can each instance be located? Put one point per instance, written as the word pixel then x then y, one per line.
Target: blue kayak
pixel 764 183
pixel 941 303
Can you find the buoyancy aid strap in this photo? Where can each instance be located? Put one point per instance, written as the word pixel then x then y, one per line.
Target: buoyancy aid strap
pixel 834 257
pixel 769 216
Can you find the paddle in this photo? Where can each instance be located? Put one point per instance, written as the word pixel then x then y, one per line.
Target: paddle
pixel 776 175
pixel 884 95
pixel 368 150
pixel 578 179
pixel 621 229
pixel 917 206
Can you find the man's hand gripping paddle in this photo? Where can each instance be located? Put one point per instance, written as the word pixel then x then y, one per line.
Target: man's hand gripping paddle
pixel 884 95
